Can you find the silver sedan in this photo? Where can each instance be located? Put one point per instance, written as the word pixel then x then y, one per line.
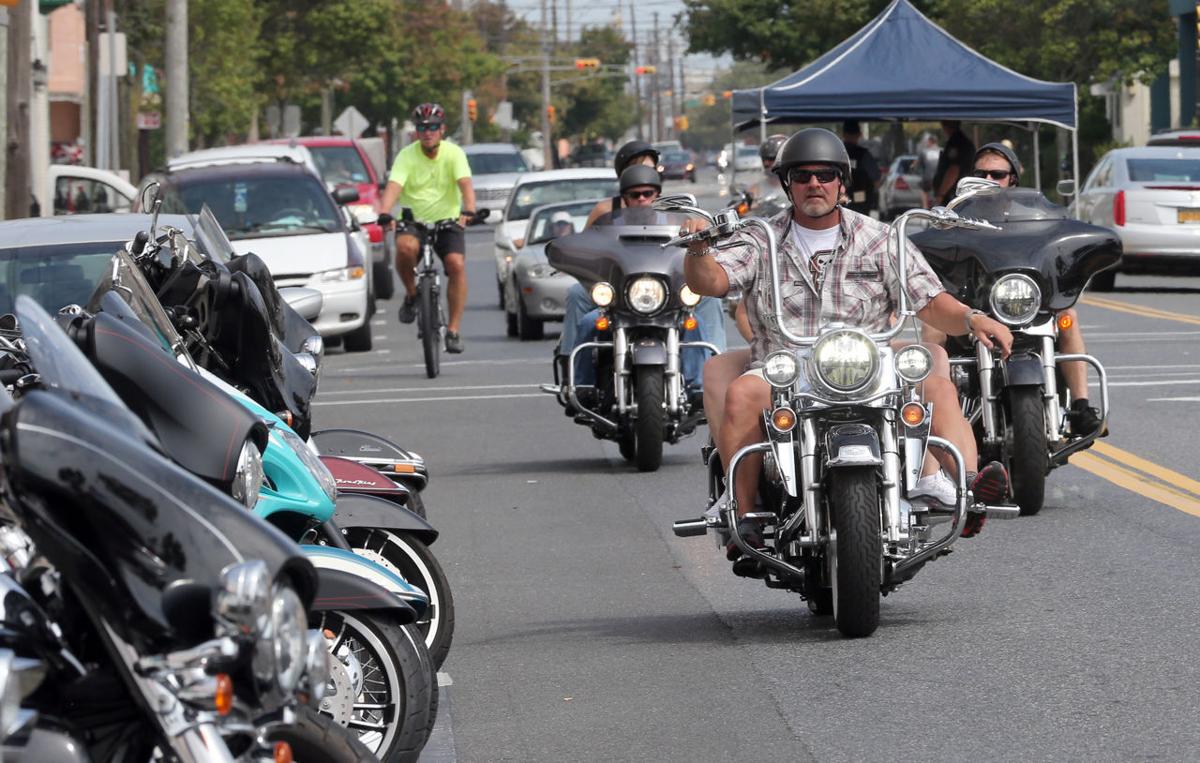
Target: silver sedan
pixel 535 292
pixel 1151 198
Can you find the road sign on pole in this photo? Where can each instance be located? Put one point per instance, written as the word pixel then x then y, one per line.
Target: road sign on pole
pixel 351 122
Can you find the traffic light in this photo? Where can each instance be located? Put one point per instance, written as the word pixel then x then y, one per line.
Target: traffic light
pixel 551 114
pixel 681 123
pixel 587 63
pixel 727 94
pixel 645 70
pixel 472 109
pixel 710 100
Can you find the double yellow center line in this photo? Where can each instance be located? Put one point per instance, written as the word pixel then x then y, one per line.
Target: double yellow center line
pixel 1140 476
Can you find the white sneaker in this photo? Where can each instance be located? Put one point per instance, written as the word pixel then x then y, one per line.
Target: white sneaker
pixel 938 487
pixel 714 512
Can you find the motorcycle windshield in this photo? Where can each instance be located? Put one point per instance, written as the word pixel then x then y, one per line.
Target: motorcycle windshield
pixel 632 243
pixel 211 236
pixel 125 279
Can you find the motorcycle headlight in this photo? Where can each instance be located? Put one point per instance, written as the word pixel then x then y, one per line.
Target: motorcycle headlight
pixel 244 596
pixel 602 294
pixel 289 648
pixel 1015 299
pixel 316 665
pixel 314 345
pixel 248 479
pixel 646 295
pixel 845 360
pixel 688 297
pixel 310 459
pixel 343 274
pixel 309 361
pixel 913 363
pixel 781 369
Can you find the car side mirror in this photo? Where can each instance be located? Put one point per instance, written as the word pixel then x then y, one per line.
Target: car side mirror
pixel 1065 188
pixel 345 195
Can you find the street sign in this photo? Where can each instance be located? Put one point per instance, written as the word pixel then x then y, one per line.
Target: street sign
pixel 149 120
pixel 503 116
pixel 122 66
pixel 351 122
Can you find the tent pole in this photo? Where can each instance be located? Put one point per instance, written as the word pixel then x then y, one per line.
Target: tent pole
pixel 762 115
pixel 732 153
pixel 1037 155
pixel 1075 157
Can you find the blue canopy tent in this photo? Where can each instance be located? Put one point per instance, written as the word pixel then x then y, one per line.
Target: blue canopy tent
pixel 902 66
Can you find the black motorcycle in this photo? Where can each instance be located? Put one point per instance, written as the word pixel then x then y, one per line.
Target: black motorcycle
pixel 168 620
pixel 639 398
pixel 1025 275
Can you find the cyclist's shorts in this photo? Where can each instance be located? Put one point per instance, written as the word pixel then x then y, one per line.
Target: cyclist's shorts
pixel 451 239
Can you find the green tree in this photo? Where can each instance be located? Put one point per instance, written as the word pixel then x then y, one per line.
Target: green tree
pixel 598 106
pixel 709 125
pixel 223 84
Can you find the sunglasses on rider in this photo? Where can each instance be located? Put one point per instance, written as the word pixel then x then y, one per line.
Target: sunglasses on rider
pixel 993 174
pixel 649 193
pixel 428 127
pixel 802 177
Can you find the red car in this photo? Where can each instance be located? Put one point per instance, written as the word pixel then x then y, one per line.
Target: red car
pixel 344 162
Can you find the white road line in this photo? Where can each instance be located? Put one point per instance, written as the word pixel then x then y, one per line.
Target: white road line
pixel 1177 365
pixel 378 323
pixel 1137 340
pixel 427 389
pixel 1110 334
pixel 1173 399
pixel 380 337
pixel 1155 374
pixel 504 362
pixel 428 399
pixel 1165 382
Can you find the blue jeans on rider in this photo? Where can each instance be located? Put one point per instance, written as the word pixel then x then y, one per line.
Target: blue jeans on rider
pixel 579 326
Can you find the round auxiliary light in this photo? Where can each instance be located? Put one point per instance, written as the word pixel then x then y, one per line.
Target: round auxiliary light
pixel 781 369
pixel 688 297
pixel 603 293
pixel 913 363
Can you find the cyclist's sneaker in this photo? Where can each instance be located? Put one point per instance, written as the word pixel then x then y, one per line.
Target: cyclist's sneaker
pixel 990 485
pixel 936 488
pixel 408 310
pixel 454 342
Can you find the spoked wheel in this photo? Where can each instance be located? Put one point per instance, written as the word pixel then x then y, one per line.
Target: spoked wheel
pixel 379 683
pixel 431 328
pixel 1030 460
pixel 313 736
pixel 650 418
pixel 856 550
pixel 412 560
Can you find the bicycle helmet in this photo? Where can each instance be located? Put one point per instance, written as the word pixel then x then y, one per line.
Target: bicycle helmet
pixel 639 175
pixel 429 114
pixel 769 149
pixel 630 151
pixel 813 145
pixel 1009 155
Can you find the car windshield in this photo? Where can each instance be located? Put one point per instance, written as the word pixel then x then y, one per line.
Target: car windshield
pixel 530 196
pixel 544 228
pixel 496 162
pixel 1168 170
pixel 907 165
pixel 54 276
pixel 340 165
pixel 747 151
pixel 257 207
pixel 676 157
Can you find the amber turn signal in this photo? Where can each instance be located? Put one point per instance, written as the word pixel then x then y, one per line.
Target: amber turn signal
pixel 404 468
pixel 783 419
pixel 913 414
pixel 602 323
pixel 1064 321
pixel 690 323
pixel 283 752
pixel 223 697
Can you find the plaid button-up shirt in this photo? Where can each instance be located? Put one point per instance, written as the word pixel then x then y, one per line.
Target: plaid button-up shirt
pixel 858 286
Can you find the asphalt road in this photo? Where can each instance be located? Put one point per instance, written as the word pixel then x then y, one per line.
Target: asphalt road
pixel 587 631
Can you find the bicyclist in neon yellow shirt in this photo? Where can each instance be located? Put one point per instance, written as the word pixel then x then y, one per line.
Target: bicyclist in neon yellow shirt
pixel 432 177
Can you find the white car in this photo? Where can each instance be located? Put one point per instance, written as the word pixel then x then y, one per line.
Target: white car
pixel 247 153
pixel 495 168
pixel 536 189
pixel 282 212
pixel 86 190
pixel 746 159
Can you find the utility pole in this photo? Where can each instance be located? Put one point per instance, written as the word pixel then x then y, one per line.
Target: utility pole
pixel 17 191
pixel 674 89
pixel 554 21
pixel 637 79
pixel 567 24
pixel 547 141
pixel 177 77
pixel 656 125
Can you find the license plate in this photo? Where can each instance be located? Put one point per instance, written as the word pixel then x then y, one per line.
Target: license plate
pixel 1189 215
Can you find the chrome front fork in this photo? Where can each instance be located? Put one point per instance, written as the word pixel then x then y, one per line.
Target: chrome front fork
pixel 987 395
pixel 1050 391
pixel 621 373
pixel 673 374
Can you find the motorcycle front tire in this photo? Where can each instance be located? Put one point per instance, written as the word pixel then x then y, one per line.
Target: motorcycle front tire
pixel 319 737
pixel 858 554
pixel 650 418
pixel 1030 460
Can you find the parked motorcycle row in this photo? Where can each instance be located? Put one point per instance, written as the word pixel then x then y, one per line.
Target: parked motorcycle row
pixel 190 571
pixel 847 431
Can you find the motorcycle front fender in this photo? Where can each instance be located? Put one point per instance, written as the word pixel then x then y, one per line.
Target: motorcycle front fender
pixel 1023 370
pixel 353 510
pixel 853 445
pixel 348 581
pixel 648 351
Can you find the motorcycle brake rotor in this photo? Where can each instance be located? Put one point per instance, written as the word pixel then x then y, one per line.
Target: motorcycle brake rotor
pixel 339 702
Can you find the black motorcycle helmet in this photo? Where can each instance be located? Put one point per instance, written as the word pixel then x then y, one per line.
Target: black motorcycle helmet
pixel 813 145
pixel 769 149
pixel 630 151
pixel 639 175
pixel 1010 156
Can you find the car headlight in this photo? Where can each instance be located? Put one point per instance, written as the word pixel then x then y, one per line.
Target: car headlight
pixel 364 213
pixel 248 478
pixel 780 369
pixel 1016 298
pixel 540 270
pixel 310 459
pixel 352 273
pixel 688 297
pixel 913 363
pixel 646 295
pixel 602 294
pixel 845 360
pixel 289 647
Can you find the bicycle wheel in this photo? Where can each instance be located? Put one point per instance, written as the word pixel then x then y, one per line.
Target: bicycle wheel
pixel 431 329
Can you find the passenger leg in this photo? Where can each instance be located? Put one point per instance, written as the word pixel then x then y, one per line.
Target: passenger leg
pixel 719 372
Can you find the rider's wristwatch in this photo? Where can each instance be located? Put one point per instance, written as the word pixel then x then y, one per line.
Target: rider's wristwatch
pixel 971 314
pixel 707 250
